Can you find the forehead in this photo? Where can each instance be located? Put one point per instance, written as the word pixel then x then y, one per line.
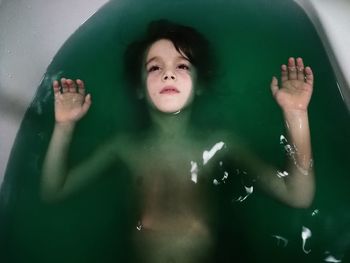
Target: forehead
pixel 163 48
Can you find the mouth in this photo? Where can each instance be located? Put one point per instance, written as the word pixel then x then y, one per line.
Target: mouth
pixel 169 90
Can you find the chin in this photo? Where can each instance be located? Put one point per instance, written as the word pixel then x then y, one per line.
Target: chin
pixel 170 110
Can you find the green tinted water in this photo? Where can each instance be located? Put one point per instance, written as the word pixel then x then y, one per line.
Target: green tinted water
pixel 251 39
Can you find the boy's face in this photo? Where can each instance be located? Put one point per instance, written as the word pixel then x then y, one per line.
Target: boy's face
pixel 169 77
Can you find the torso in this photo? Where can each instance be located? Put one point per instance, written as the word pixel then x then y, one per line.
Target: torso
pixel 175 211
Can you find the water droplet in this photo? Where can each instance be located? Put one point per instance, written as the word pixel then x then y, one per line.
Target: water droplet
pixel 287 147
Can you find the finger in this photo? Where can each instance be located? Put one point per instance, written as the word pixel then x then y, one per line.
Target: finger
pixel 56 88
pixel 81 86
pixel 64 85
pixel 72 87
pixel 300 69
pixel 292 72
pixel 274 85
pixel 309 76
pixel 87 103
pixel 284 73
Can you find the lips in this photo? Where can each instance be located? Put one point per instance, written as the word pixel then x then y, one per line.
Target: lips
pixel 169 90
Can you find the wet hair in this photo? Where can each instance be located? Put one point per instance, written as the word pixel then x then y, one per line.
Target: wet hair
pixel 185 39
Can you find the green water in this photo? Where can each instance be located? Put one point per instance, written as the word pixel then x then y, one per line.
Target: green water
pixel 250 39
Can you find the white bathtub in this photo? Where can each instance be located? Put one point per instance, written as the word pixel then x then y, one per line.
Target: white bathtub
pixel 331 19
pixel 31 32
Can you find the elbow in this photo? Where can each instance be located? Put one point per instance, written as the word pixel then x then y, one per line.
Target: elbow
pixel 303 204
pixel 302 200
pixel 302 194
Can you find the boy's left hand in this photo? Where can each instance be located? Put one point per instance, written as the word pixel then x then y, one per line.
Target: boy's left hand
pixel 296 86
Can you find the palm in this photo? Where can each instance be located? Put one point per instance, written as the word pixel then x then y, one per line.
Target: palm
pixel 296 86
pixel 71 104
pixel 294 94
pixel 68 107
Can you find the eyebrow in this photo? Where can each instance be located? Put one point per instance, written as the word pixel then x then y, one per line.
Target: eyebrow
pixel 156 57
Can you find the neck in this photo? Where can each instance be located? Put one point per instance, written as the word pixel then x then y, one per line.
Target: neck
pixel 170 125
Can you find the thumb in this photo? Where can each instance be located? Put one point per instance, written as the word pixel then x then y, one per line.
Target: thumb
pixel 274 85
pixel 87 103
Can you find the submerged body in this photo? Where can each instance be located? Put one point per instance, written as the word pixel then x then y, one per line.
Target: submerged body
pixel 174 213
pixel 176 202
pixel 172 167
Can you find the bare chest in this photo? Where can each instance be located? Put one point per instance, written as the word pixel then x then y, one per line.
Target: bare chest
pixel 172 192
pixel 169 187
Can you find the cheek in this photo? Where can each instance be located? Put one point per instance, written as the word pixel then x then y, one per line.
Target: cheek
pixel 150 81
pixel 188 84
pixel 151 89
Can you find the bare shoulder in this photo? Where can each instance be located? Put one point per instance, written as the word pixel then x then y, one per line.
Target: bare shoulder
pixel 129 147
pixel 122 143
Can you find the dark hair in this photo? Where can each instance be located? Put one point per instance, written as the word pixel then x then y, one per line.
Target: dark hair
pixel 185 39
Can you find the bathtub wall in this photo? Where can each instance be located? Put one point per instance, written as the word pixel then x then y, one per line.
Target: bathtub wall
pixel 31 32
pixel 332 22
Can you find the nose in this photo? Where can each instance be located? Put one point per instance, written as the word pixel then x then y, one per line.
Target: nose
pixel 169 75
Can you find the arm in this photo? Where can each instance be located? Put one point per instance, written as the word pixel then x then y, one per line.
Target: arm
pixel 293 96
pixel 71 104
pixel 296 185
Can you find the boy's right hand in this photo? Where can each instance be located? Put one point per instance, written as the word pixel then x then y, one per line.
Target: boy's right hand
pixel 71 103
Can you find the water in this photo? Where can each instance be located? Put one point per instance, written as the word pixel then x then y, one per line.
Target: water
pixel 250 43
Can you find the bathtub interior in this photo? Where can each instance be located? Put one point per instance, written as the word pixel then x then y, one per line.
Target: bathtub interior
pixel 331 20
pixel 250 43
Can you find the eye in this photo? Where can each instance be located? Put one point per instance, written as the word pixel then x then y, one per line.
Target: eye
pixel 153 68
pixel 183 66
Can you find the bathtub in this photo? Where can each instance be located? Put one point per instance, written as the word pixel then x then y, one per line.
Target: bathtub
pixel 332 20
pixel 27 48
pixel 24 60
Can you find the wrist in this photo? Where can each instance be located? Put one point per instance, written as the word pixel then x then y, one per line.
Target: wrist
pixel 65 125
pixel 294 113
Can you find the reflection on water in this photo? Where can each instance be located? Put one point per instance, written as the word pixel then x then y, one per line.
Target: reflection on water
pixel 281 241
pixel 207 155
pixel 305 235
